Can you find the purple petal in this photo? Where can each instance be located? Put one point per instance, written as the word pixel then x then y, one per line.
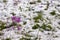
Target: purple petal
pixel 17 19
pixel 14 17
pixel 19 28
pixel 13 27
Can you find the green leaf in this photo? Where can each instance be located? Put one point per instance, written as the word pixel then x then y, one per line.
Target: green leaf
pixel 49 26
pixel 27 35
pixel 13 13
pixel 8 39
pixel 32 2
pixel 47 6
pixel 39 17
pixel 36 21
pixel 46 27
pixel 43 26
pixel 2 26
pixel 36 26
pixel 53 13
pixel 25 38
pixel 20 8
pixel 4 1
pixel 13 24
pixel 24 23
pixel 1 33
pixel 36 38
pixel 39 1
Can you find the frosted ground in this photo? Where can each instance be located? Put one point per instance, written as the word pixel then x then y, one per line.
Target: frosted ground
pixel 40 19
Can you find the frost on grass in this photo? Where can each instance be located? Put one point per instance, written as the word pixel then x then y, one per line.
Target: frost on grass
pixel 29 19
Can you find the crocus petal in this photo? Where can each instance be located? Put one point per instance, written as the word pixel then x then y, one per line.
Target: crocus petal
pixel 19 28
pixel 13 27
pixel 17 19
pixel 14 17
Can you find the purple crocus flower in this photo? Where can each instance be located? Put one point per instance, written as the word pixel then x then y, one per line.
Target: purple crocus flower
pixel 16 19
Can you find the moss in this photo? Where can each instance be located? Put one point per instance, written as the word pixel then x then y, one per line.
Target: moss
pixel 53 13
